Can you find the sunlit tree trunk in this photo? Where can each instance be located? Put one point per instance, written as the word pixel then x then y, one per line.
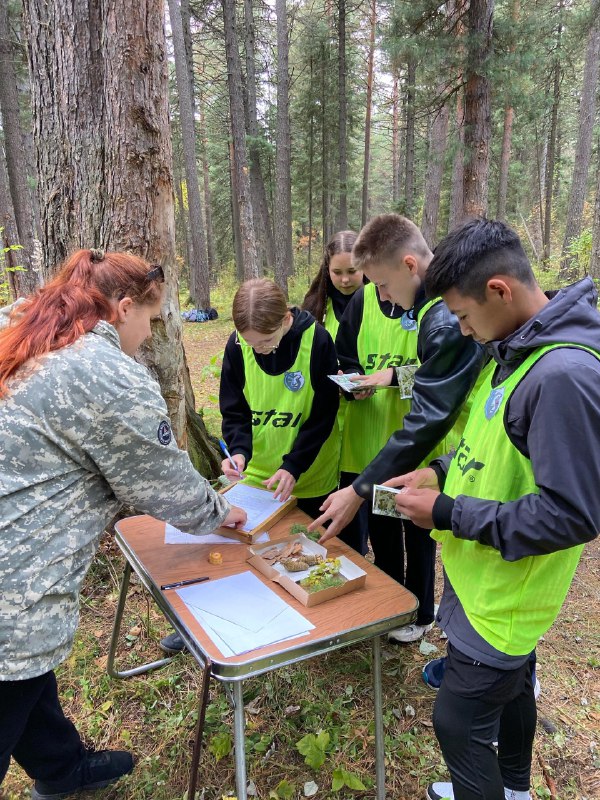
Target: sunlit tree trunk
pixel 105 167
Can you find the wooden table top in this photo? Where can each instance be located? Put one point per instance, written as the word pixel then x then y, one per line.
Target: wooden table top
pixel 378 607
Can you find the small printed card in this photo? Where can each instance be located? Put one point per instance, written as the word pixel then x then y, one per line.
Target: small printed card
pixel 384 501
pixel 346 382
pixel 406 379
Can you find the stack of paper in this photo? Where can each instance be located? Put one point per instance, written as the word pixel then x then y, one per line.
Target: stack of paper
pixel 175 536
pixel 240 613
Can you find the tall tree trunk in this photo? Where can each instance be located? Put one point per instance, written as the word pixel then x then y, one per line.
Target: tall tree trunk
pixel 509 115
pixel 435 172
pixel 199 264
pixel 181 216
pixel 583 151
pixel 210 237
pixel 311 160
pixel 235 217
pixel 240 162
pixel 105 166
pixel 324 148
pixel 284 259
pixel 395 135
pixel 477 106
pixel 548 172
pixel 409 179
pixel 367 155
pixel 16 163
pixel 8 234
pixel 595 254
pixel 259 194
pixel 457 191
pixel 342 224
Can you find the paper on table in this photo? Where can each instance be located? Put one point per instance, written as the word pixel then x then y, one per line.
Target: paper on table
pixel 258 504
pixel 175 536
pixel 240 613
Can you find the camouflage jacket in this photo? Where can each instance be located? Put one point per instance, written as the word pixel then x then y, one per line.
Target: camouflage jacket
pixel 83 430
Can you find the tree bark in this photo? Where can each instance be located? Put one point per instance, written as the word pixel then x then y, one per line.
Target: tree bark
pixel 284 259
pixel 210 237
pixel 240 161
pixel 104 160
pixel 457 192
pixel 325 148
pixel 477 107
pixel 342 223
pixel 509 115
pixel 16 163
pixel 367 153
pixel 595 254
pixel 433 179
pixel 264 227
pixel 199 265
pixel 583 151
pixel 409 172
pixel 395 135
pixel 548 172
pixel 8 235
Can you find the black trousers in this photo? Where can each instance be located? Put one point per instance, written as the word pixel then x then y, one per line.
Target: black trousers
pixel 392 539
pixel 35 731
pixel 476 706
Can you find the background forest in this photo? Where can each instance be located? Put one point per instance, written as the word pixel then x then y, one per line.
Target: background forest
pixel 230 139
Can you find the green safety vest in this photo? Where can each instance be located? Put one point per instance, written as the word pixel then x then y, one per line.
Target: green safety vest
pixel 509 603
pixel 382 342
pixel 280 405
pixel 332 325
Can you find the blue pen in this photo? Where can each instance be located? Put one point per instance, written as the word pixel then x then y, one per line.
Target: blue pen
pixel 227 454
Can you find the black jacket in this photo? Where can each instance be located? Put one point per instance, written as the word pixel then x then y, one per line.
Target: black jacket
pixel 237 417
pixel 450 364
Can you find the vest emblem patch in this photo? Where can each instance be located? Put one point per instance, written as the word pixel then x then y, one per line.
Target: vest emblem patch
pixel 407 322
pixel 164 432
pixel 494 401
pixel 293 381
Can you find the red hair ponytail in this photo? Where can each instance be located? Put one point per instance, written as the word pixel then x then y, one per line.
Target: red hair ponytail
pixel 71 305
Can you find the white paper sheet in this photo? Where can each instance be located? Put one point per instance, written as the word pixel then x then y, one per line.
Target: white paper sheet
pixel 240 613
pixel 175 536
pixel 258 504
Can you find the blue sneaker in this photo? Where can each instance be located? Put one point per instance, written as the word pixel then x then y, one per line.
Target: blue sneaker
pixel 433 672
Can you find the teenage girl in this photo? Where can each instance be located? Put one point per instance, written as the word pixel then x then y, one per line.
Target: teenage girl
pixel 277 403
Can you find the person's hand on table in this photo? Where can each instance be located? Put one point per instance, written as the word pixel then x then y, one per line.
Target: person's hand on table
pixel 417 504
pixel 340 507
pixel 425 478
pixel 285 484
pixel 236 518
pixel 229 472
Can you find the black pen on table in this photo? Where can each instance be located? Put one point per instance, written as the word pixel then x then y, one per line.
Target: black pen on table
pixel 177 584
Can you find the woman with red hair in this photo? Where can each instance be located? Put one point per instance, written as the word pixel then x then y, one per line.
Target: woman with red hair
pixel 84 429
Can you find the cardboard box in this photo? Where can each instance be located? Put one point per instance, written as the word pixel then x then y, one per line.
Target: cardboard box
pixel 354 576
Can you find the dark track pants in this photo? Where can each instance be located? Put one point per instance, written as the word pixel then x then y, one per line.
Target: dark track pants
pixel 35 731
pixel 476 706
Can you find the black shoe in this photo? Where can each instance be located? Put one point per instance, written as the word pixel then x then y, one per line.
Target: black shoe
pixel 173 643
pixel 96 770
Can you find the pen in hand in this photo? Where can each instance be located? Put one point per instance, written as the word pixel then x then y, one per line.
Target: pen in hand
pixel 177 584
pixel 227 455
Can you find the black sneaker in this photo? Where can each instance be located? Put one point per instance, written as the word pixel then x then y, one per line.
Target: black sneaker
pixel 173 643
pixel 96 770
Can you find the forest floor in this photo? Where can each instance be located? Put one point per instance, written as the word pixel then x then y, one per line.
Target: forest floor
pixel 154 714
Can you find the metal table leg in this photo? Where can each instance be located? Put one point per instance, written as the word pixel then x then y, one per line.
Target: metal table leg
pixel 379 735
pixel 110 665
pixel 239 739
pixel 199 729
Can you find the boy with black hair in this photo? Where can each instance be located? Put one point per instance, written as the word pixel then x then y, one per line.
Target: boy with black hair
pixel 518 501
pixel 393 254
